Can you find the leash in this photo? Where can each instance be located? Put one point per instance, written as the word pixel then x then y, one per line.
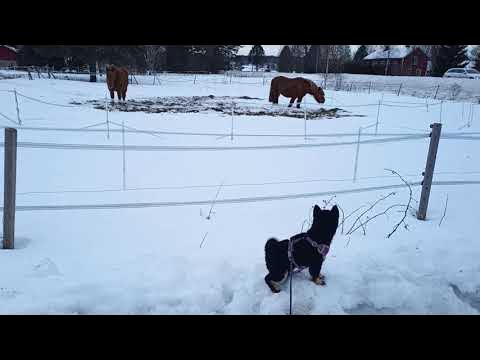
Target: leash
pixel 321 248
pixel 291 277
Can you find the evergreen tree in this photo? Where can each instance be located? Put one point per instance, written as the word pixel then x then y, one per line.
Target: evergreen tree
pixel 339 56
pixel 256 56
pixel 177 57
pixel 449 56
pixel 211 58
pixel 42 55
pixel 476 57
pixel 285 61
pixel 298 54
pixel 360 54
pixel 313 59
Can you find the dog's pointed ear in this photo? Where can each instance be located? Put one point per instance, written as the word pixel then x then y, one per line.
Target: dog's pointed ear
pixel 316 211
pixel 334 211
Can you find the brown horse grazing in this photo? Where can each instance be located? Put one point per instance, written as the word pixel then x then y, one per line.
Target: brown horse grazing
pixel 117 80
pixel 295 88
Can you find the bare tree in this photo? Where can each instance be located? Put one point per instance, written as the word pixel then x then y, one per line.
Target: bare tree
pixel 151 54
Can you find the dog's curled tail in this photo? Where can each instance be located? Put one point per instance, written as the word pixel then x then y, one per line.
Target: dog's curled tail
pixel 272 252
pixel 272 242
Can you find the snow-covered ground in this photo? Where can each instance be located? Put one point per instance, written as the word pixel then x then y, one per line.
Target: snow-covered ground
pixel 209 259
pixel 437 88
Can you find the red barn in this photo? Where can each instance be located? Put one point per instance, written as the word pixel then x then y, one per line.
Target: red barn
pixel 401 61
pixel 8 55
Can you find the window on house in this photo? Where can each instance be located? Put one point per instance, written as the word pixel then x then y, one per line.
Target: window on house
pixel 415 60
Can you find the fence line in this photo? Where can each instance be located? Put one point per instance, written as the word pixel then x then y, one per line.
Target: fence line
pixel 394 138
pixel 9 119
pixel 230 201
pixel 44 102
pixel 209 186
pixel 34 145
pixel 185 133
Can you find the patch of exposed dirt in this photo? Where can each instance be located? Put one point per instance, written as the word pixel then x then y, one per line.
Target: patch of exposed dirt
pixel 243 105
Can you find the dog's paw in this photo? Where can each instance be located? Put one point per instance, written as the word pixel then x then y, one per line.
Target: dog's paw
pixel 319 280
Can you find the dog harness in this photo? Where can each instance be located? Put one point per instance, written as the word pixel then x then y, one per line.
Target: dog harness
pixel 321 248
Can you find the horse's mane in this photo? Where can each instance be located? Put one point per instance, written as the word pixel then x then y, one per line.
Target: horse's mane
pixel 313 86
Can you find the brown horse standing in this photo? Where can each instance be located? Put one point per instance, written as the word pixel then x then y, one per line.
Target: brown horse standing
pixel 117 80
pixel 295 88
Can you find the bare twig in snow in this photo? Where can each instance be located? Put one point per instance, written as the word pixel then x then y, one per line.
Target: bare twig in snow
pixel 370 208
pixel 348 242
pixel 408 205
pixel 343 216
pixel 325 203
pixel 444 212
pixel 214 200
pixel 303 224
pixel 363 227
pixel 204 236
pixel 377 215
pixel 353 212
pixel 309 220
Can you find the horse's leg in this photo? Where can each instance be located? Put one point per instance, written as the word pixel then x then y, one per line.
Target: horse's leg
pixel 112 96
pixel 124 94
pixel 292 100
pixel 299 100
pixel 119 94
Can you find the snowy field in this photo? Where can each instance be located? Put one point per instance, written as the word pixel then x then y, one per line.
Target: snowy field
pixel 425 87
pixel 208 258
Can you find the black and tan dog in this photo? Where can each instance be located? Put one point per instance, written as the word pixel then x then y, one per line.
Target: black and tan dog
pixel 307 249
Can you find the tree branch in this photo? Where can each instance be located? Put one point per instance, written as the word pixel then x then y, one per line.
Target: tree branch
pixel 346 217
pixel 376 215
pixel 408 205
pixel 370 208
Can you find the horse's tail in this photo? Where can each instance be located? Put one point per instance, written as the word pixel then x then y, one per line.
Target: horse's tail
pixel 272 97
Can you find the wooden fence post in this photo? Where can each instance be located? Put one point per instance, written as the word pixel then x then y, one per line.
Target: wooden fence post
pixel 429 168
pixel 10 176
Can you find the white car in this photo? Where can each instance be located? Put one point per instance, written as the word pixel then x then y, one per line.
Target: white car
pixel 462 73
